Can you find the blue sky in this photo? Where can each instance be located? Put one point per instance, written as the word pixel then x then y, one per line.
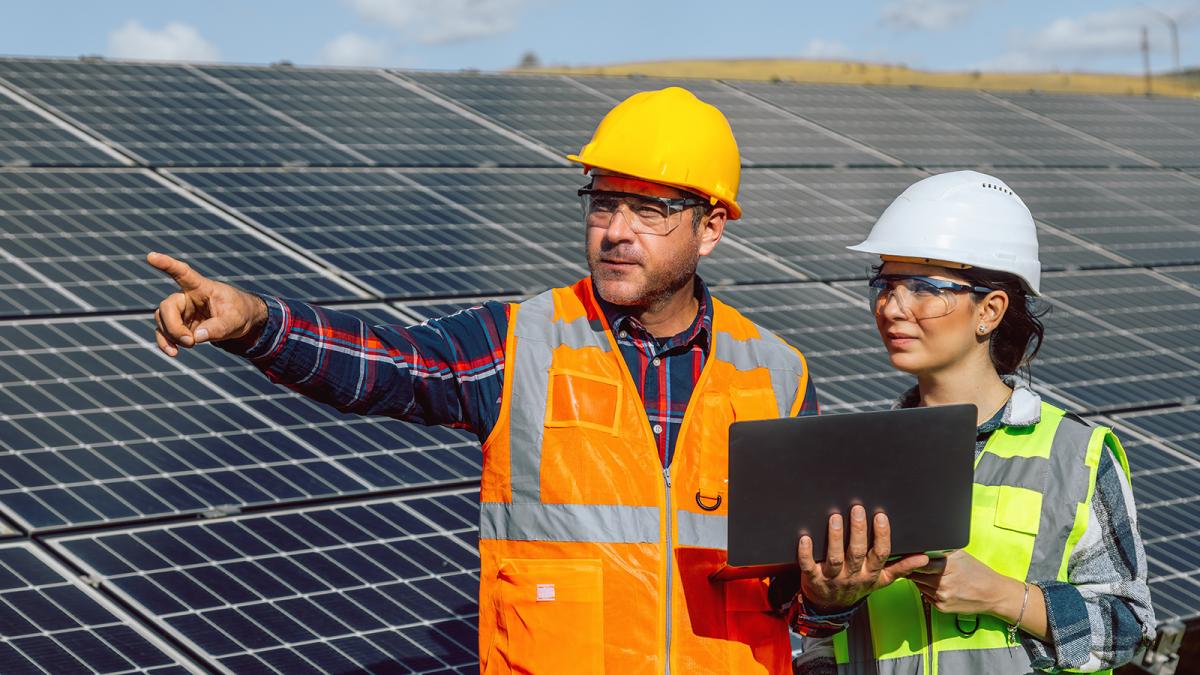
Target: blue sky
pixel 1094 35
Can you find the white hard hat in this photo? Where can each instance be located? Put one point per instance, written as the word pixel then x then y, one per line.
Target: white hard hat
pixel 963 217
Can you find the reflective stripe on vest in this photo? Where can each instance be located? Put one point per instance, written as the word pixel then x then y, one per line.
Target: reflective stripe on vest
pixel 538 333
pixel 1053 465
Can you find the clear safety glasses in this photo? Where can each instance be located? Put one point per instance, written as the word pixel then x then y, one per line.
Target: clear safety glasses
pixel 917 296
pixel 646 215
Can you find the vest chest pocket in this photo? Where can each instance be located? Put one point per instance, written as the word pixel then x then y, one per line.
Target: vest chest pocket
pixel 578 399
pixel 1018 509
pixel 552 614
pixel 753 404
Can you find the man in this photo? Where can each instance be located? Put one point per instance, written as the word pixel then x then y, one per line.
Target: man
pixel 603 409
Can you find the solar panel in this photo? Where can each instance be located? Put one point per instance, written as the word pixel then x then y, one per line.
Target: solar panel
pixel 29 139
pixel 51 622
pixel 1164 130
pixel 902 132
pixel 766 136
pixel 1121 339
pixel 167 115
pixel 380 120
pixel 338 543
pixel 1164 454
pixel 393 237
pixel 369 586
pixel 85 234
pixel 97 427
pixel 1031 142
pixel 1131 217
pixel 552 109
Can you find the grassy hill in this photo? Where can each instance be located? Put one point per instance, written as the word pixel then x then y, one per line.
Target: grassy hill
pixel 1186 83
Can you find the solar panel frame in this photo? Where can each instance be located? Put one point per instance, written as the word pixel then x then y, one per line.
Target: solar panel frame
pixel 1149 127
pixel 98 428
pixel 385 123
pixel 60 624
pixel 84 234
pixel 311 584
pixel 179 119
pixel 29 137
pixel 349 220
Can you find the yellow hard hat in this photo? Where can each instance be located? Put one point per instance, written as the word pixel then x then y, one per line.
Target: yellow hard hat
pixel 671 137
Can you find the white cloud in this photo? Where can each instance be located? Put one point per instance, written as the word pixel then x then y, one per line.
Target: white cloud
pixel 933 15
pixel 440 21
pixel 352 49
pixel 818 48
pixel 174 42
pixel 1069 42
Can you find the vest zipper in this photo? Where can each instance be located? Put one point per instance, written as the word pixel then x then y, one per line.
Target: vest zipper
pixel 670 570
pixel 928 635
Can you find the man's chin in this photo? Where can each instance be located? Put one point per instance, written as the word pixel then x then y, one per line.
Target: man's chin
pixel 617 291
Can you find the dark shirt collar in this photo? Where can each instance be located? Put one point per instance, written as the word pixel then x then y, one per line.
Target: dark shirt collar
pixel 700 332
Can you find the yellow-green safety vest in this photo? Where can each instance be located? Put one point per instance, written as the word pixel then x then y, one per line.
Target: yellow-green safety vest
pixel 1031 501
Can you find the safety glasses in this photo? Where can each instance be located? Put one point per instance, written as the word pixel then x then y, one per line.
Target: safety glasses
pixel 918 297
pixel 646 215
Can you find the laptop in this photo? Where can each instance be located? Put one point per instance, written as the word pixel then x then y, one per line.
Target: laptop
pixel 787 476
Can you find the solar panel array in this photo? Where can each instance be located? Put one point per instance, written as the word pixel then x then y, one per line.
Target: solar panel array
pixel 187 516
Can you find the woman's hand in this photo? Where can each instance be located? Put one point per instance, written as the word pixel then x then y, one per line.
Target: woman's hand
pixel 960 584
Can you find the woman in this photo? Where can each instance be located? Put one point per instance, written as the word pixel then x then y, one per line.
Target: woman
pixel 1054 576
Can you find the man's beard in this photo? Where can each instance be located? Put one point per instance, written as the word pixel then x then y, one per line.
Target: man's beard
pixel 658 287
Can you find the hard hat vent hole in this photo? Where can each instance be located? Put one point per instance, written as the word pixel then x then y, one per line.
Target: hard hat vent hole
pixel 993 186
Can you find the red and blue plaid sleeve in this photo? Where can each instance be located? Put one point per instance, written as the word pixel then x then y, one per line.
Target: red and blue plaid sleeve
pixel 447 371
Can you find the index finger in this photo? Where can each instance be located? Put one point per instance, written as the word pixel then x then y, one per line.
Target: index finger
pixel 187 278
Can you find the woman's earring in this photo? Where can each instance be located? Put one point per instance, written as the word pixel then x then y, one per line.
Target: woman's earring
pixel 982 329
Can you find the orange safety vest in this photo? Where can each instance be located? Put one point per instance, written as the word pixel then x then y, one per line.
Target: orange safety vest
pixel 593 557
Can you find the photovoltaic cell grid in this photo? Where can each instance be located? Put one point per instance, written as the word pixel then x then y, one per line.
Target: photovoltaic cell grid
pixel 1166 130
pixel 27 138
pixel 96 426
pixel 50 623
pixel 1164 454
pixel 1121 339
pixel 766 136
pixel 167 115
pixel 391 236
pixel 374 586
pixel 1108 324
pixel 950 129
pixel 377 118
pixel 551 109
pixel 86 234
pixel 1134 217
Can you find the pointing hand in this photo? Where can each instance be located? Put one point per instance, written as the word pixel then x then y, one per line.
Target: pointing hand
pixel 202 310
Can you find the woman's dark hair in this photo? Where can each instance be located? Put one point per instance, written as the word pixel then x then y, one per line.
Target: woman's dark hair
pixel 1019 336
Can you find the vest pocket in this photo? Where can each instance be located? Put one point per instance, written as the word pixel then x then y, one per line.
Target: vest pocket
pixel 1018 509
pixel 552 613
pixel 579 399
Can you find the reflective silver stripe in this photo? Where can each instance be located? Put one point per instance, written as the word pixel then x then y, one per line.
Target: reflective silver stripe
pixel 601 523
pixel 767 351
pixel 527 409
pixel 702 531
pixel 996 660
pixel 904 665
pixel 1025 472
pixel 1066 488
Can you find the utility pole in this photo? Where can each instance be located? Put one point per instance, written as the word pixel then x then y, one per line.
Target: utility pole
pixel 1174 26
pixel 1146 57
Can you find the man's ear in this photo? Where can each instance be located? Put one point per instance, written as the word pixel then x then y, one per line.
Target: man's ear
pixel 712 228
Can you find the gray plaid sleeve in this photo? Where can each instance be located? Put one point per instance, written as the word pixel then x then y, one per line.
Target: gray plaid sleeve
pixel 1102 615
